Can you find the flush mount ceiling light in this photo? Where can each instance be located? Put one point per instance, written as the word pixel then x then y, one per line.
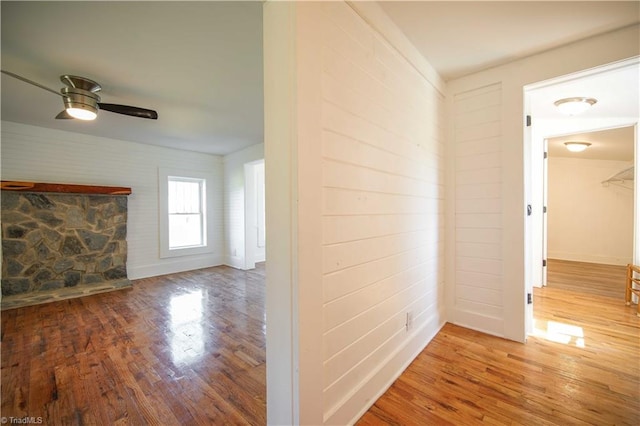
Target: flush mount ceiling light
pixel 577 146
pixel 574 106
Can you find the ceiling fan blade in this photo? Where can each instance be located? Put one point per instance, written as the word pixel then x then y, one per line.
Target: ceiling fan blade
pixel 26 80
pixel 129 110
pixel 63 115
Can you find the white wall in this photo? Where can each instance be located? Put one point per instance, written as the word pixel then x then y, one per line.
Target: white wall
pixel 505 314
pixel 234 202
pixel 44 155
pixel 478 154
pixel 255 227
pixel 365 158
pixel 589 221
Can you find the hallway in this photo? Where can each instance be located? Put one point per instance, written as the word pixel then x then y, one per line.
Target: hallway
pixel 582 366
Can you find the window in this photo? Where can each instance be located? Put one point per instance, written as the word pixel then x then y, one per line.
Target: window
pixel 187 225
pixel 186 216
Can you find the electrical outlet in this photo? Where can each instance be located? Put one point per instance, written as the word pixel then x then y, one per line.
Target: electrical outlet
pixel 409 321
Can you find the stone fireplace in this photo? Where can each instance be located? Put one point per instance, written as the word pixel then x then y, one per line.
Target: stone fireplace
pixel 62 241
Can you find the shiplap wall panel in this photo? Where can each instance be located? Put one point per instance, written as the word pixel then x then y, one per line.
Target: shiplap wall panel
pixel 366 360
pixel 488 235
pixel 466 150
pixel 479 250
pixel 351 279
pixel 490 160
pixel 482 205
pixel 45 155
pixel 340 229
pixel 344 255
pixel 339 364
pixel 478 191
pixel 477 176
pixel 478 220
pixel 344 308
pixel 488 281
pixel 383 202
pixel 478 308
pixel 367 151
pixel 479 202
pixel 349 333
pixel 473 264
pixel 478 99
pixel 349 176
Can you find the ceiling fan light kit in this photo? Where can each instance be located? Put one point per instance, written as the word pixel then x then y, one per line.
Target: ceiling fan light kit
pixel 574 106
pixel 81 100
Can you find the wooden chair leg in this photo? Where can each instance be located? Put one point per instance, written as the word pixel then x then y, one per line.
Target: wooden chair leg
pixel 630 290
pixel 627 287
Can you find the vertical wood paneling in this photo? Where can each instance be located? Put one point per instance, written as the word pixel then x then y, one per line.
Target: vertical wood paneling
pixel 478 208
pixel 46 155
pixel 383 195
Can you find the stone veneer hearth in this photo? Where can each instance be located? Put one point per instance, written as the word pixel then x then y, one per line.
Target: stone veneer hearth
pixel 61 245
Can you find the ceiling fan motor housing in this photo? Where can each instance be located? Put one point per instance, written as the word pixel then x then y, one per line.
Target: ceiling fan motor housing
pixel 80 93
pixel 81 99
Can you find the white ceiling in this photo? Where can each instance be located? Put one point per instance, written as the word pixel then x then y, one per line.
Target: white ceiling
pixel 199 64
pixel 617 91
pixel 462 37
pixel 611 144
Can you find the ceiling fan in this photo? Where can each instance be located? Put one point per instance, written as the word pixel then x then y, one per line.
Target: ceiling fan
pixel 81 100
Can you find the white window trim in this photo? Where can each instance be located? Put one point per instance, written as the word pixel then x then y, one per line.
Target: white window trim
pixel 163 209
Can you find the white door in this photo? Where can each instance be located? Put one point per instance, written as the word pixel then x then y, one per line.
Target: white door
pixel 545 209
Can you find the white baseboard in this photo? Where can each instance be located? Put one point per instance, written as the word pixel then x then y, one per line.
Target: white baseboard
pixel 235 262
pixel 478 322
pixel 172 266
pixel 590 258
pixel 377 384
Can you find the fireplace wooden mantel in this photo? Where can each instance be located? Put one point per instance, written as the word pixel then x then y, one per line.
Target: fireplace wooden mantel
pixel 64 188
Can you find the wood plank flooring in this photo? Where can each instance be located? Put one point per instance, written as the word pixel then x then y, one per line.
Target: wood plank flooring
pixel 182 349
pixel 582 367
pixel 189 349
pixel 583 277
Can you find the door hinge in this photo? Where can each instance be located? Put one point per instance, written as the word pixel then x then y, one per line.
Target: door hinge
pixel 544 262
pixel 544 209
pixel 529 299
pixel 546 154
pixel 528 121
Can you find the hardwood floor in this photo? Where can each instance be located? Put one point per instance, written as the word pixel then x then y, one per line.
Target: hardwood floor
pixel 592 278
pixel 182 349
pixel 582 367
pixel 189 349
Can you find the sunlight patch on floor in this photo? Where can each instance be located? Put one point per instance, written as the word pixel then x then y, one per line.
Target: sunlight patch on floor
pixel 187 332
pixel 559 332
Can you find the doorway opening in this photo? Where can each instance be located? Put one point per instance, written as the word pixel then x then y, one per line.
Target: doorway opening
pixel 572 196
pixel 255 228
pixel 590 209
